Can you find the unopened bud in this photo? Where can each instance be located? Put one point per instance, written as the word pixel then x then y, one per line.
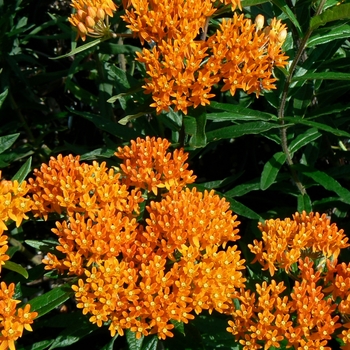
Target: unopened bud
pixel 282 35
pixel 89 22
pixel 81 14
pixel 91 12
pixel 100 14
pixel 259 22
pixel 82 28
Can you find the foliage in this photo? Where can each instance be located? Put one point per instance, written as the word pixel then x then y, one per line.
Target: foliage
pixel 271 146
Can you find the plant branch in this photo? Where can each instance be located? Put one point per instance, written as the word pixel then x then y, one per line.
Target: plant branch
pixel 281 110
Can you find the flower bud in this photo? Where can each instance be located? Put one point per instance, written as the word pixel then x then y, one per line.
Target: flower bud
pixel 90 23
pixel 81 15
pixel 259 22
pixel 81 27
pixel 100 14
pixel 282 35
pixel 91 11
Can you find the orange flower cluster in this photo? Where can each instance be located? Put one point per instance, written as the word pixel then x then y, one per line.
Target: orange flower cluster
pixel 148 165
pixel 13 320
pixel 92 17
pixel 303 320
pixel 140 273
pixel 285 241
pixel 13 206
pixel 182 70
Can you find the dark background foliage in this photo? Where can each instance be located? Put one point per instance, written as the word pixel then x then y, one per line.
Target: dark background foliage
pixel 50 106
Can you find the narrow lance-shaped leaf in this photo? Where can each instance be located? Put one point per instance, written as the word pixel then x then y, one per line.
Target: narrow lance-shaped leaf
pixel 240 130
pixel 326 181
pixel 82 48
pixel 334 13
pixel 7 141
pixel 50 300
pixel 271 169
pixel 3 97
pixel 9 265
pixel 23 171
pixel 133 342
pixel 323 76
pixel 304 203
pixel 317 125
pixel 304 139
pixel 285 8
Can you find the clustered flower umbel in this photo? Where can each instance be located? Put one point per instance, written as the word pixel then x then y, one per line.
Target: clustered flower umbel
pixel 14 204
pixel 181 69
pixel 140 268
pixel 307 248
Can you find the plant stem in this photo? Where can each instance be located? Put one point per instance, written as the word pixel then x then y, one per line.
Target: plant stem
pixel 281 110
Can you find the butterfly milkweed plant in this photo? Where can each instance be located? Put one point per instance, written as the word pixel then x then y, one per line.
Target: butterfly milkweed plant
pixel 175 174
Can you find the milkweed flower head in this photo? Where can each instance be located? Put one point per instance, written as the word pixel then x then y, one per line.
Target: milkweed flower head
pixel 147 164
pixel 303 319
pixel 140 273
pixel 284 242
pixel 91 17
pixel 182 69
pixel 13 320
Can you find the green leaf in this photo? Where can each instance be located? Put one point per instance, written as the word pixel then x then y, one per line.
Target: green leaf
pixel 41 345
pixel 325 35
pixel 9 265
pixel 316 125
pixel 179 326
pixel 50 300
pixel 241 190
pixel 43 245
pixel 236 112
pixel 322 76
pixel 150 342
pixel 199 138
pixel 133 342
pixel 240 130
pixel 23 171
pixel 285 8
pixel 246 3
pixel 242 210
pixel 304 139
pixel 72 335
pixel 325 180
pixel 3 97
pixel 304 203
pixel 271 169
pixel 103 124
pixel 334 13
pixel 7 141
pixel 110 345
pixel 82 48
pixel 130 117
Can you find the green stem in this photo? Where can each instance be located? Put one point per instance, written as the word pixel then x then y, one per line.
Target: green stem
pixel 281 110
